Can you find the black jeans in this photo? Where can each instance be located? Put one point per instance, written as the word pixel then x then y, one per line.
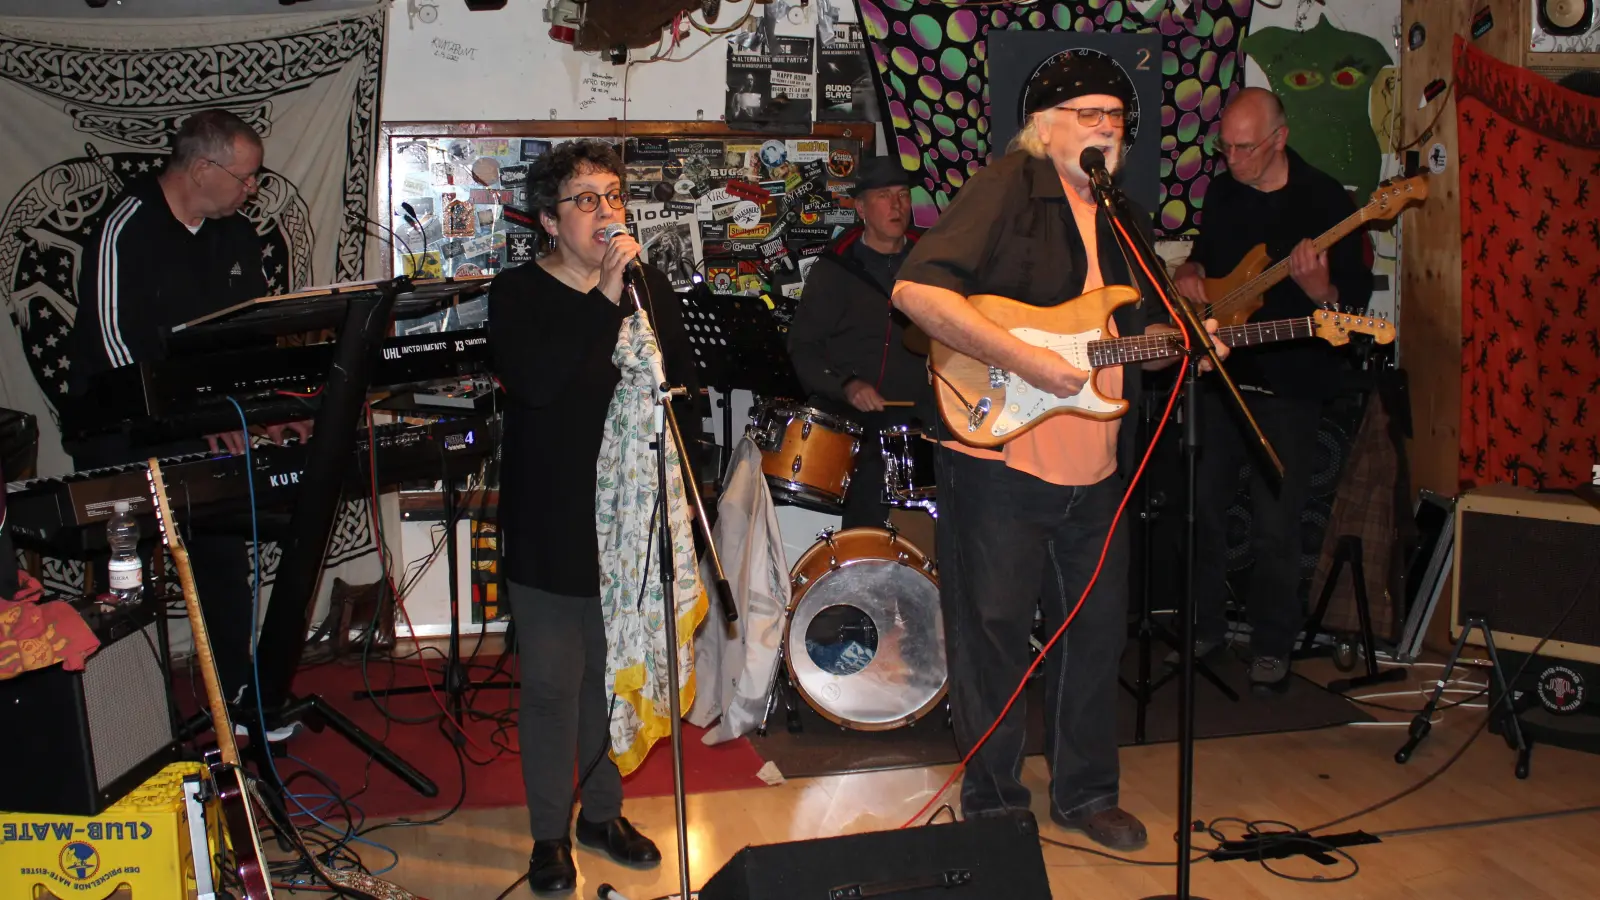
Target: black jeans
pixel 1008 542
pixel 564 722
pixel 1273 595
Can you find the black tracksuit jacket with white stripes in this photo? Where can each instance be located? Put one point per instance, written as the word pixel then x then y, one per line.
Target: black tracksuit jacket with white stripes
pixel 147 272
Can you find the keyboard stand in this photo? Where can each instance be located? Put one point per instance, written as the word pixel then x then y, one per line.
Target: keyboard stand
pixel 283 632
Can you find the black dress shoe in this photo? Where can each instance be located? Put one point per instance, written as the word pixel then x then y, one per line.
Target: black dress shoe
pixel 619 838
pixel 550 868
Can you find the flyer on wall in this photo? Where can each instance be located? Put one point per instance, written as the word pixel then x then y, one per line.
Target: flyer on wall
pixel 845 91
pixel 669 234
pixel 771 81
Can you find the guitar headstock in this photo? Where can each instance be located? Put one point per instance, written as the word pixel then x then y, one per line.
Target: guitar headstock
pixel 1335 326
pixel 1395 195
pixel 164 520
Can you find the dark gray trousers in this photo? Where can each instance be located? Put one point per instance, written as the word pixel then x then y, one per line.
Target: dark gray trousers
pixel 564 722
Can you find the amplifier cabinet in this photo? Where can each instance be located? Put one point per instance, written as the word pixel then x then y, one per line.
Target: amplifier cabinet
pixel 77 742
pixel 1520 559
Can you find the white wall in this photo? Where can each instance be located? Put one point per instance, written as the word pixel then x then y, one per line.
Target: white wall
pixel 502 65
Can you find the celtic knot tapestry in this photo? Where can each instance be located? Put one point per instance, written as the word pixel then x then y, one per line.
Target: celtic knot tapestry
pixel 89 104
pixel 931 57
pixel 1530 255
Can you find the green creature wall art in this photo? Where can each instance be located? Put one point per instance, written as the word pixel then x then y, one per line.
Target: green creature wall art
pixel 1326 77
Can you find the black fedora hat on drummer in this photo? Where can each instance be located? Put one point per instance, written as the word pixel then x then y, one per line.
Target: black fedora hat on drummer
pixel 879 172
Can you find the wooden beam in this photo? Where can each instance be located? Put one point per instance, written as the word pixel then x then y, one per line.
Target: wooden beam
pixel 572 128
pixel 1430 256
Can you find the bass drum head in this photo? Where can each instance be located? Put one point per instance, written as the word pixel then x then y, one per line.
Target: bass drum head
pixel 865 638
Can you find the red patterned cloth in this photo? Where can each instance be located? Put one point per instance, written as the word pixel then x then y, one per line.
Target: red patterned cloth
pixel 34 635
pixel 1530 259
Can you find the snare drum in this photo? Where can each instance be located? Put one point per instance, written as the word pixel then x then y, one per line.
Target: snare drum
pixel 806 454
pixel 864 644
pixel 908 478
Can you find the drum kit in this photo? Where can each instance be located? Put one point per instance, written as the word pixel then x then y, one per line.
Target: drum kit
pixel 864 640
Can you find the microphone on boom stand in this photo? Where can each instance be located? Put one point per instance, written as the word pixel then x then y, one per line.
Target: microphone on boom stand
pixel 394 236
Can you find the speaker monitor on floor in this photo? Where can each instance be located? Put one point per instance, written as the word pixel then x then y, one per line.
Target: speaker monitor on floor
pixel 989 858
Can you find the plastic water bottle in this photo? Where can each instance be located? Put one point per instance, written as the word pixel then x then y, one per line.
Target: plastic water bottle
pixel 125 571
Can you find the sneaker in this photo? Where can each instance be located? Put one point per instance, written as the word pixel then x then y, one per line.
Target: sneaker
pixel 1269 674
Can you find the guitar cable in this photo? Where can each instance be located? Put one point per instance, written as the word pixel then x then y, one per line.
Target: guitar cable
pixel 255 617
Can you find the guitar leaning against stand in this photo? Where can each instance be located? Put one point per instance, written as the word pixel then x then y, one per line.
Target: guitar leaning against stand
pixel 234 786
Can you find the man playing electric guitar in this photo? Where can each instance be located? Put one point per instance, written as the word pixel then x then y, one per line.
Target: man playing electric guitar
pixel 1023 526
pixel 1273 197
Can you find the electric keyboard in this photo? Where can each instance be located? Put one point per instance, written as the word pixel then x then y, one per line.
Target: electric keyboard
pixel 69 513
pixel 184 397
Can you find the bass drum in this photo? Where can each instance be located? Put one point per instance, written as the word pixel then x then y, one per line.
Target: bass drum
pixel 864 644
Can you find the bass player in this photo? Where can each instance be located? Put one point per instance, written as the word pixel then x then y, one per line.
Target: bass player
pixel 1270 196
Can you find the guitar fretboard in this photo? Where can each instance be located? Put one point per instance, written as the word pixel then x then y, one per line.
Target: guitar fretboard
pixel 1142 347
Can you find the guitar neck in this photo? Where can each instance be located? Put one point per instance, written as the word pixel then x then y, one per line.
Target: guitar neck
pixel 1279 270
pixel 1143 347
pixel 221 723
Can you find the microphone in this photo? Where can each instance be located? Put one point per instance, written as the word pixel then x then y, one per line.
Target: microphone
pixel 607 892
pixel 352 214
pixel 635 267
pixel 1093 163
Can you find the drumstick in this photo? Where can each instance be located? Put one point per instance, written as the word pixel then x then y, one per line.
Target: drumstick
pixel 899 403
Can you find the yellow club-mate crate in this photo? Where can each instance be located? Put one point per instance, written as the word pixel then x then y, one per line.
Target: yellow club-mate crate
pixel 137 849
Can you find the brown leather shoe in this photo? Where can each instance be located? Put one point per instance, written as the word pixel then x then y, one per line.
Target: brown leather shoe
pixel 1115 828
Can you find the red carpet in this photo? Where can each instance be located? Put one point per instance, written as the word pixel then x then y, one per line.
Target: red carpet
pixel 379 793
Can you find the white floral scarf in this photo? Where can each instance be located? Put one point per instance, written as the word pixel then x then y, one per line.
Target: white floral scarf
pixel 625 497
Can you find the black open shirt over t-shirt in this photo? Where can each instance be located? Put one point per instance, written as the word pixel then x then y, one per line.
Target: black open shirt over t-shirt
pixel 552 347
pixel 1237 218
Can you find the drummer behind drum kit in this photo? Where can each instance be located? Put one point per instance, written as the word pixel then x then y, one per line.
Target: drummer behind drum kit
pixel 864 608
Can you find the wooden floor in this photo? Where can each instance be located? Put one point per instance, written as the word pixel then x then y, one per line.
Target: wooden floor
pixel 1303 778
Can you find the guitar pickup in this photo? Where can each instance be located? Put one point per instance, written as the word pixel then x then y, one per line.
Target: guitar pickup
pixel 997 377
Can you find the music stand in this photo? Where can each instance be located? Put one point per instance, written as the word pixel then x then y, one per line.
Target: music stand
pixel 737 346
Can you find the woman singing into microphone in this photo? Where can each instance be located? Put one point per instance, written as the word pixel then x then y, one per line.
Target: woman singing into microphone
pixel 553 325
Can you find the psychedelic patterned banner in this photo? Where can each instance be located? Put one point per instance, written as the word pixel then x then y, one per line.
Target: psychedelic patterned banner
pixel 932 58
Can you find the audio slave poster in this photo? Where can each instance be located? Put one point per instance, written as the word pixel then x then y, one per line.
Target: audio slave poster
pixel 844 84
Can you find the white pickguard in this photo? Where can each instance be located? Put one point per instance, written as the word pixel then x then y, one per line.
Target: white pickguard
pixel 1024 403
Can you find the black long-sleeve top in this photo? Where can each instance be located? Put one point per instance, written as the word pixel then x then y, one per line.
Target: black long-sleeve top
pixel 1237 218
pixel 551 347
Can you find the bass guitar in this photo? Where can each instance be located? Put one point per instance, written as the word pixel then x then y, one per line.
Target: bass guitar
pixel 1238 295
pixel 238 793
pixel 985 406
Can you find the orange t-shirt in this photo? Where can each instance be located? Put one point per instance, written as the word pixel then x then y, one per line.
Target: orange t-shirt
pixel 1067 449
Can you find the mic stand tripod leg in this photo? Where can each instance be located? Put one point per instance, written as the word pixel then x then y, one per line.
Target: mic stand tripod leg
pixel 454 680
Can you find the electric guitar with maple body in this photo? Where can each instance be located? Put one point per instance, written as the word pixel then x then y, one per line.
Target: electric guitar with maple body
pixel 237 792
pixel 1238 295
pixel 985 406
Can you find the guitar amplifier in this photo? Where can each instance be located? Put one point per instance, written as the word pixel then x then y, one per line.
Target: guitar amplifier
pixel 77 742
pixel 1521 559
